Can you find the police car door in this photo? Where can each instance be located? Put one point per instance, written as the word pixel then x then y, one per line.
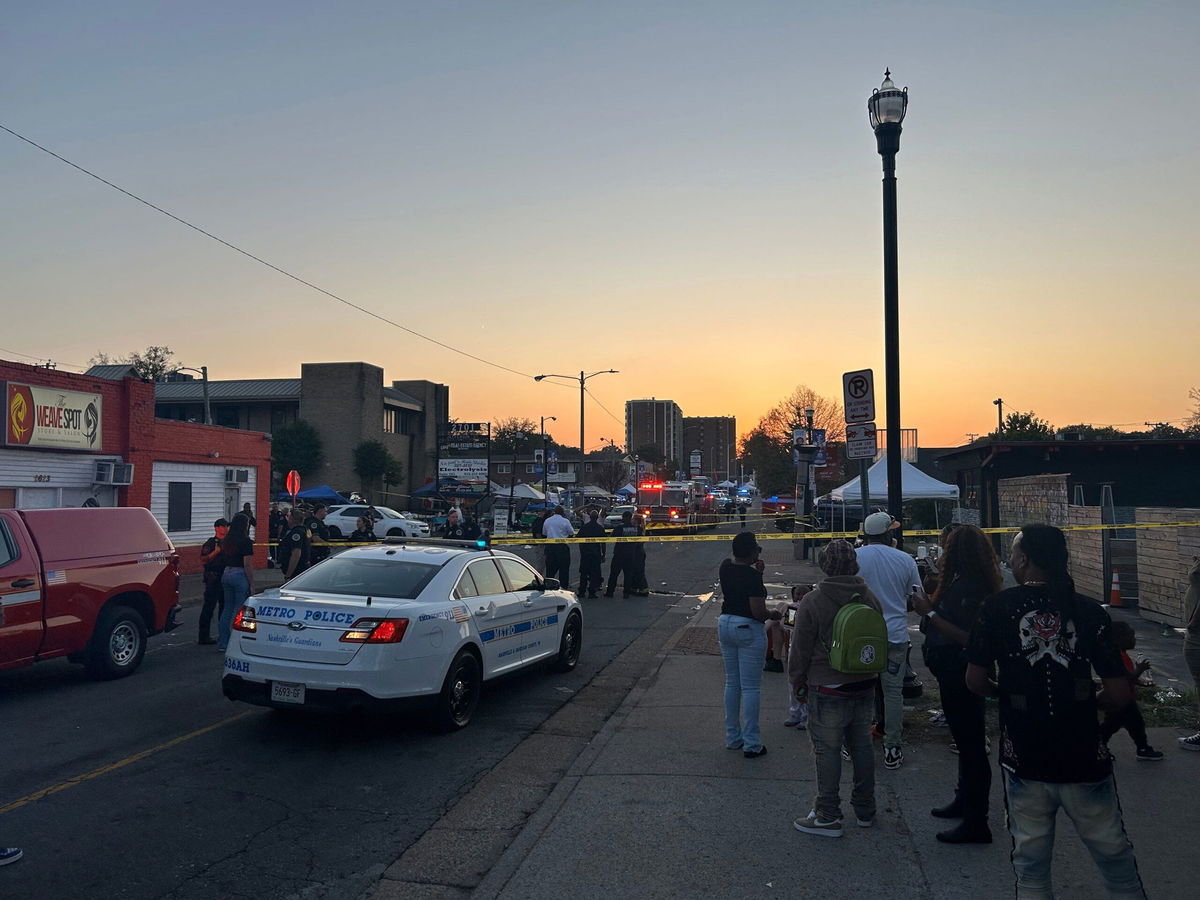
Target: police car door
pixel 545 609
pixel 500 616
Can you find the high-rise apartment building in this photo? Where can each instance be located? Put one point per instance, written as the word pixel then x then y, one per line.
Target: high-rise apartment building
pixel 658 423
pixel 716 439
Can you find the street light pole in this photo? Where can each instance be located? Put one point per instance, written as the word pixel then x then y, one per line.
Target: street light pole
pixel 886 108
pixel 545 479
pixel 203 373
pixel 582 379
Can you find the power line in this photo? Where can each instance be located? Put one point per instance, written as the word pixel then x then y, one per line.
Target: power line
pixel 41 359
pixel 603 407
pixel 261 261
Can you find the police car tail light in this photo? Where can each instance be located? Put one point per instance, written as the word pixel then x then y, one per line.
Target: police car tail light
pixel 376 631
pixel 245 620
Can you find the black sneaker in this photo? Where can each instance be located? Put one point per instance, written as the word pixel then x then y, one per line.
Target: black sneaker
pixel 1149 754
pixel 967 833
pixel 755 754
pixel 9 855
pixel 952 810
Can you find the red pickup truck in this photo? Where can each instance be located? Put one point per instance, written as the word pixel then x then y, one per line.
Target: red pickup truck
pixel 88 584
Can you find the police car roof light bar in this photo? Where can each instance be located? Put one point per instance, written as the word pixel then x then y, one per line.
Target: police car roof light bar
pixel 477 544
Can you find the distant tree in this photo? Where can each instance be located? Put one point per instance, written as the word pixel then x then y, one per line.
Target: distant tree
pixel 610 471
pixel 769 455
pixel 505 435
pixel 372 463
pixel 789 413
pixel 1094 432
pixel 297 446
pixel 1024 426
pixel 1194 418
pixel 152 364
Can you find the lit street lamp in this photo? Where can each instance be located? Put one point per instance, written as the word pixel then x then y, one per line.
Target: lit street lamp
pixel 886 107
pixel 582 379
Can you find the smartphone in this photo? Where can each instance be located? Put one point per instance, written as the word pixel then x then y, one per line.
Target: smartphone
pixel 789 617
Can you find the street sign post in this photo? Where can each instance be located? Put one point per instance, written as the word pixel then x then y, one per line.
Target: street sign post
pixel 858 396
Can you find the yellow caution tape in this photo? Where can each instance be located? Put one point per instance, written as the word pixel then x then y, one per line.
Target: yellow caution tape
pixel 652 538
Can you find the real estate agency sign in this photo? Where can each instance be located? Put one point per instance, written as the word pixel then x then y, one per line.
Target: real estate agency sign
pixel 45 417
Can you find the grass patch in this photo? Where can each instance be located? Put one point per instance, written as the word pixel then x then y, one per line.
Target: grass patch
pixel 1160 710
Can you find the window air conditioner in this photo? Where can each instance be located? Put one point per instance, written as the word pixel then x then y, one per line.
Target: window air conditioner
pixel 237 476
pixel 104 473
pixel 122 473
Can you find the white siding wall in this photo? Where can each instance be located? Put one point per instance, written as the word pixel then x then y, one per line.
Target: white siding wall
pixel 70 477
pixel 208 497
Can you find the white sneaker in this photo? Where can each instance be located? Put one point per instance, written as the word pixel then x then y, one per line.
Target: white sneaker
pixel 9 855
pixel 892 757
pixel 811 824
pixel 864 823
pixel 1190 743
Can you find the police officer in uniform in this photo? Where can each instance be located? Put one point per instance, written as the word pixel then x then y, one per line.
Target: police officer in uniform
pixel 591 556
pixel 318 534
pixel 295 547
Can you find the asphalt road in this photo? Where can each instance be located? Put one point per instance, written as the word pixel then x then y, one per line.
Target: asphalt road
pixel 159 787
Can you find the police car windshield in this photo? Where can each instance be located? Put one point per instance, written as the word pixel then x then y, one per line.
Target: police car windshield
pixel 366 577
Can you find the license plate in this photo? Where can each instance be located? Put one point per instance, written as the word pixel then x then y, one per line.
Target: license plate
pixel 287 692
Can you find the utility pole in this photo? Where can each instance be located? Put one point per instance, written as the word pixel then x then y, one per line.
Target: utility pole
pixel 999 404
pixel 971 435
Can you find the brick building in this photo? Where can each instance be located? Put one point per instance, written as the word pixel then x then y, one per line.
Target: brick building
pixel 93 439
pixel 347 403
pixel 716 439
pixel 657 423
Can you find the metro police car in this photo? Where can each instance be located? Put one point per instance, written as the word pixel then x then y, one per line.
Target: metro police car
pixel 400 622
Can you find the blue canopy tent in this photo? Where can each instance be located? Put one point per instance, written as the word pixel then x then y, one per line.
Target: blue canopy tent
pixel 323 492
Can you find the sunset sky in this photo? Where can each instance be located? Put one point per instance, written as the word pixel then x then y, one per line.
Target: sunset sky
pixel 688 192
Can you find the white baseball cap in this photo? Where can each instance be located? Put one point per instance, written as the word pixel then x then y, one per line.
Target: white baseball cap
pixel 877 523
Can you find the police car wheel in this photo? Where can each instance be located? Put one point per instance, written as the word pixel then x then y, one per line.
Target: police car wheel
pixel 460 693
pixel 570 644
pixel 118 644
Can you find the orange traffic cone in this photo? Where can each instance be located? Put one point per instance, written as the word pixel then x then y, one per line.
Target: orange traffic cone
pixel 1114 598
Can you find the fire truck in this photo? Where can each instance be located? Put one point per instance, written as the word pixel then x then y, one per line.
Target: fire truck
pixel 667 504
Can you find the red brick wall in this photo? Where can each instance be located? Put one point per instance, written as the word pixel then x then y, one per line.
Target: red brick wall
pixel 187 442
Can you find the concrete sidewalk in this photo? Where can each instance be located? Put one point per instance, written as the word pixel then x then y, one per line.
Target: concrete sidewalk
pixel 655 806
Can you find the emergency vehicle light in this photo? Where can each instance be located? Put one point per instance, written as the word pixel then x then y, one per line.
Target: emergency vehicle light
pixel 651 486
pixel 245 620
pixel 376 631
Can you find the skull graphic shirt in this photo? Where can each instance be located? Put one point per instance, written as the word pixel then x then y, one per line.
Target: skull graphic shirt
pixel 1048 716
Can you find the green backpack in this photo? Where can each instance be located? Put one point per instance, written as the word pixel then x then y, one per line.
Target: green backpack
pixel 860 640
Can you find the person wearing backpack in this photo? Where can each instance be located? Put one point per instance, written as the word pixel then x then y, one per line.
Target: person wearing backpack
pixel 839 647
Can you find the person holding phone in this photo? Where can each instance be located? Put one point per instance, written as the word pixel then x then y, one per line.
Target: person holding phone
pixel 743 641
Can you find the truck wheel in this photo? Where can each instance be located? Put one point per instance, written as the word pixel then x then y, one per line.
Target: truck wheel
pixel 460 693
pixel 570 644
pixel 118 644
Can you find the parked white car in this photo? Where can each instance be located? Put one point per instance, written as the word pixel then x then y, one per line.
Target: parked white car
pixel 613 519
pixel 341 520
pixel 400 623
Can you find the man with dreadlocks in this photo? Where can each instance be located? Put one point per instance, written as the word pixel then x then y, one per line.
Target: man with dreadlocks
pixel 1045 640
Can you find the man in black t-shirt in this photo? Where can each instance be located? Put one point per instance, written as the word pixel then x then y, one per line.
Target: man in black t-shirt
pixel 591 555
pixel 624 557
pixel 1046 640
pixel 214 595
pixel 295 547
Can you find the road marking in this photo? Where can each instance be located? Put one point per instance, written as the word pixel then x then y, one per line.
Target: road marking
pixel 119 764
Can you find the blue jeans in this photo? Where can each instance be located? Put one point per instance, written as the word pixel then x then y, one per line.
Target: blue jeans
pixel 892 680
pixel 236 588
pixel 743 647
pixel 1032 809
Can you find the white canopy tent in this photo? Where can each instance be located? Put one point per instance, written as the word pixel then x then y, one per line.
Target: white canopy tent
pixel 914 484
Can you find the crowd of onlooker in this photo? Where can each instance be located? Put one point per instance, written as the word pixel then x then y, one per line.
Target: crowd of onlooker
pixel 1037 648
